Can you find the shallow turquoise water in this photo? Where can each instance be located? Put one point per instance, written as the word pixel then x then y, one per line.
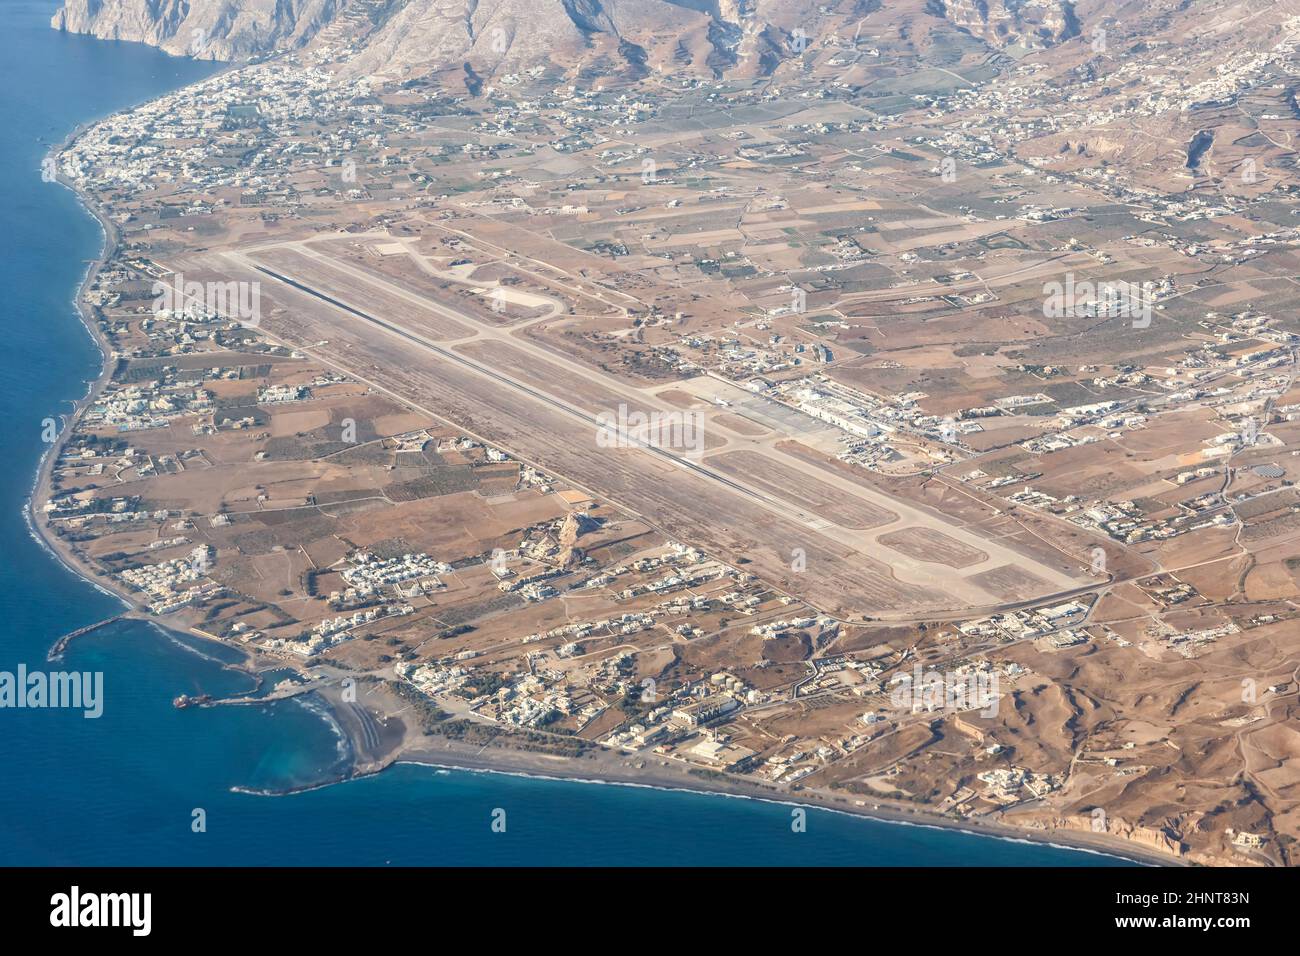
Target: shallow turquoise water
pixel 122 789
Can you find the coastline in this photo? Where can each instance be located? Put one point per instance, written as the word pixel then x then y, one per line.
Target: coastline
pixel 612 768
pixel 471 758
pixel 604 766
pixel 41 489
pixel 41 485
pixel 524 764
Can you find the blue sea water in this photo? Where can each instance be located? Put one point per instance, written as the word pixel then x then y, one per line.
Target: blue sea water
pixel 122 789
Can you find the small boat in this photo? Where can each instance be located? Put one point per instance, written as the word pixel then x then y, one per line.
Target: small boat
pixel 184 700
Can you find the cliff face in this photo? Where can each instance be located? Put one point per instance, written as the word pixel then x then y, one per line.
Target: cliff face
pixel 398 39
pixel 205 29
pixel 502 36
pixel 1034 23
pixel 402 37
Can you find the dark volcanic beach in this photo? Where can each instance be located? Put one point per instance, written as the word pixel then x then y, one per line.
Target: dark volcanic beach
pixel 123 789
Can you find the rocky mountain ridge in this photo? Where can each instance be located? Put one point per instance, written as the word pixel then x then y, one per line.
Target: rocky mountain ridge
pixel 704 38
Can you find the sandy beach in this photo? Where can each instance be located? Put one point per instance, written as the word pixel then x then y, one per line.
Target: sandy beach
pixel 379 736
